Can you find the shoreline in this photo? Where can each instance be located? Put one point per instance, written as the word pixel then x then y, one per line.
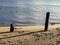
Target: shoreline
pixel 28 28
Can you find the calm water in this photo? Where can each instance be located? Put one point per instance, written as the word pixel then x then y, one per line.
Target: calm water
pixel 28 12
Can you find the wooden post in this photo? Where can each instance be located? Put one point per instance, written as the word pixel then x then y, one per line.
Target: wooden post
pixel 47 20
pixel 11 28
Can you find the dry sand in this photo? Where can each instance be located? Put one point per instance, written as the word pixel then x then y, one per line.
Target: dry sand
pixel 30 35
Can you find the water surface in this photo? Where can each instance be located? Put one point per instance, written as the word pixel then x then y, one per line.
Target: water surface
pixel 29 12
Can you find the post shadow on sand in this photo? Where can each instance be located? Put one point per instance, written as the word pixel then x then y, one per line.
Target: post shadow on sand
pixel 11 28
pixel 47 21
pixel 22 34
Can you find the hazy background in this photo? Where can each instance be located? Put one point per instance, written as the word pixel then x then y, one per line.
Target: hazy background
pixel 31 12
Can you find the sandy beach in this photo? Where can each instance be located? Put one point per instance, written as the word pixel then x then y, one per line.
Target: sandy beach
pixel 30 35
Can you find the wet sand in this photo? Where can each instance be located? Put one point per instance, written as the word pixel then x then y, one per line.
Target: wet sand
pixel 30 35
